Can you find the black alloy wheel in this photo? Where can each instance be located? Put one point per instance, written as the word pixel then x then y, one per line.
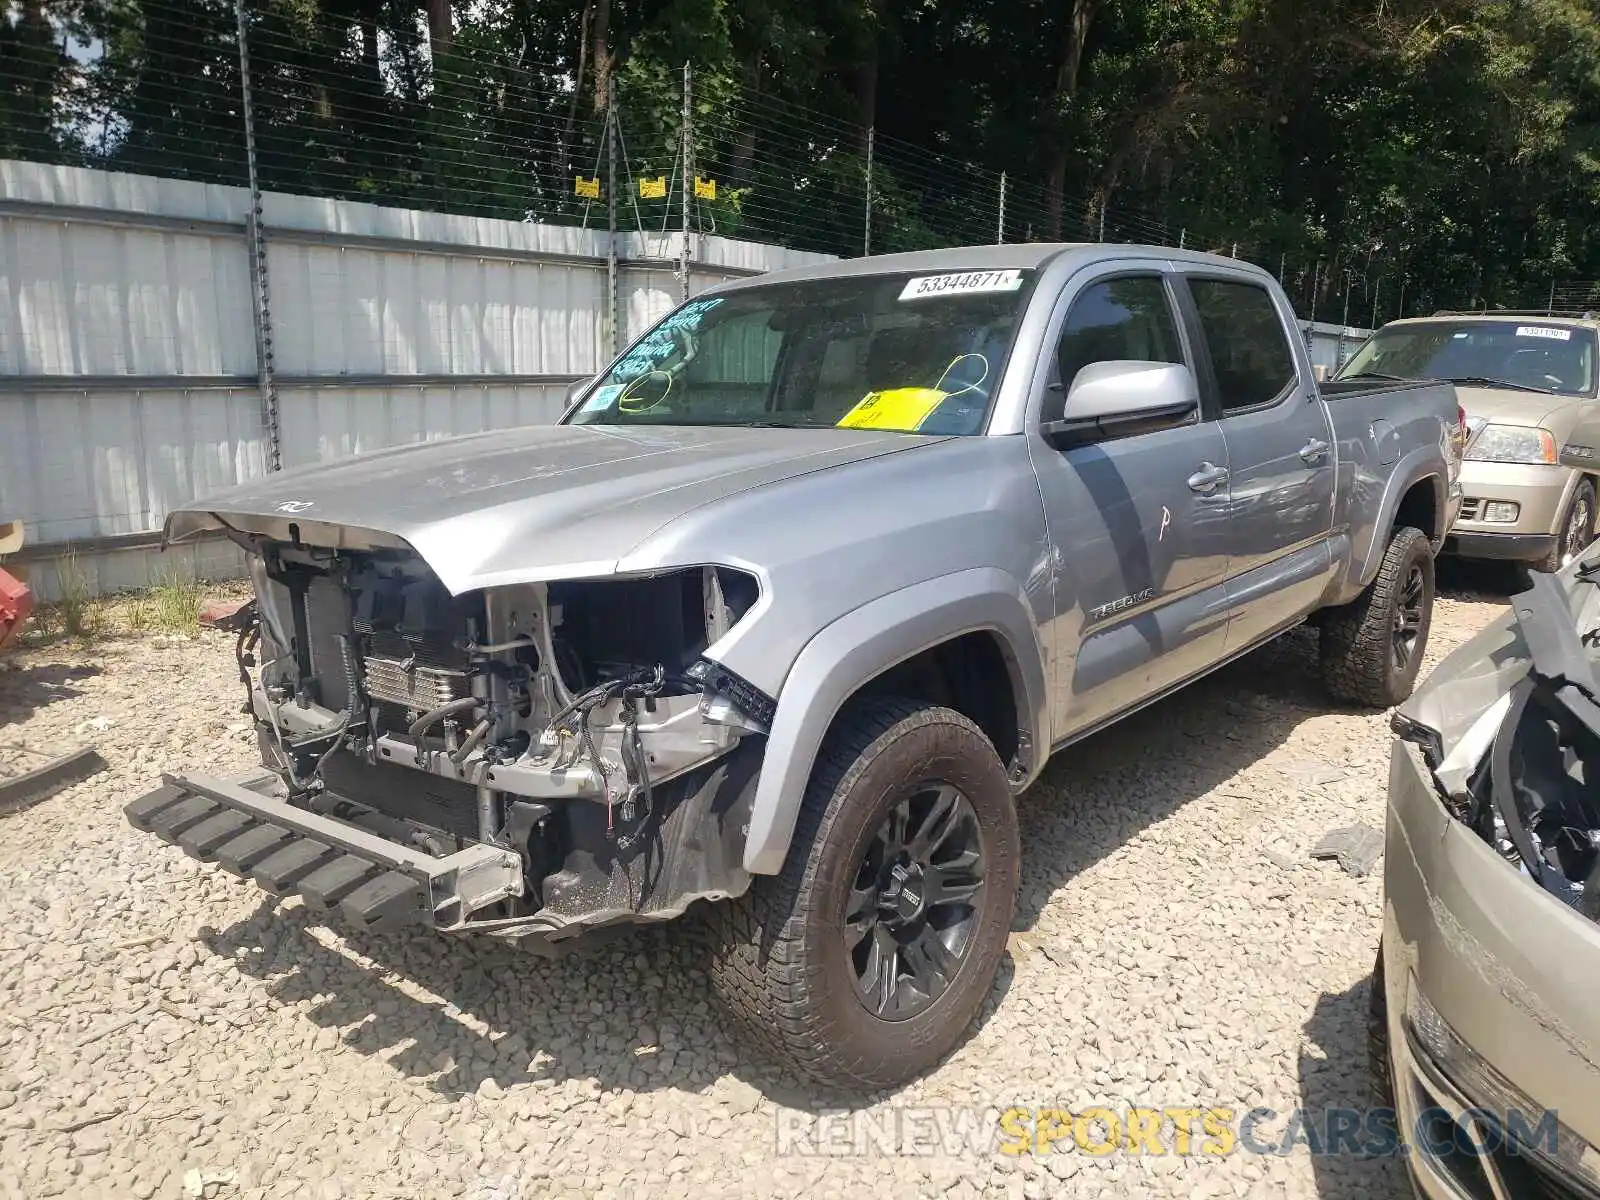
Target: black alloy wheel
pixel 1409 615
pixel 911 911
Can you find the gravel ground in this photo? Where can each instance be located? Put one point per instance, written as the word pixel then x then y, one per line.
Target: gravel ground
pixel 167 1031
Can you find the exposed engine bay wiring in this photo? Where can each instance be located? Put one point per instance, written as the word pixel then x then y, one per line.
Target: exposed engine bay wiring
pixel 574 720
pixel 244 650
pixel 475 650
pixel 284 752
pixel 517 706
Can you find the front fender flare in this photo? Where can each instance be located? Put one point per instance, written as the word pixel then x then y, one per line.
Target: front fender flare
pixel 863 644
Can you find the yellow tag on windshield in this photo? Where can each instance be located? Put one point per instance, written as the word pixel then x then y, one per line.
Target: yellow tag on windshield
pixel 895 408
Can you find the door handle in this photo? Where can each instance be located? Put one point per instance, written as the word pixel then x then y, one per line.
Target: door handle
pixel 1208 478
pixel 1313 451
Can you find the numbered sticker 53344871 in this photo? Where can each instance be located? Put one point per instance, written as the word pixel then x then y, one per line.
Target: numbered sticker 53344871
pixel 925 287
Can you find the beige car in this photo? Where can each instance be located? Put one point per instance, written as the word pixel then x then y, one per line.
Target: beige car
pixel 1525 380
pixel 1484 1031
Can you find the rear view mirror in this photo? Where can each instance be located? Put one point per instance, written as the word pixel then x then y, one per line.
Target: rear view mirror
pixel 1120 398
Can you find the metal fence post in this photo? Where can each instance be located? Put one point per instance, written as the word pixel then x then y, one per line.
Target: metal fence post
pixel 1102 236
pixel 613 298
pixel 866 233
pixel 686 134
pixel 256 253
pixel 1000 224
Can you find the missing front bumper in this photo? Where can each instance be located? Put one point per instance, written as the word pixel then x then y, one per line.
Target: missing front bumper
pixel 332 865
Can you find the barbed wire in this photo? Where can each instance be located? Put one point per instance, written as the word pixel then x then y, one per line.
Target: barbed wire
pixel 364 110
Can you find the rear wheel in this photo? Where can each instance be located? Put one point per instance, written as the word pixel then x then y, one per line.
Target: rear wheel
pixel 1575 530
pixel 864 961
pixel 1372 648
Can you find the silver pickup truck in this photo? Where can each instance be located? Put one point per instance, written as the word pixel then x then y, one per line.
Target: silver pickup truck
pixel 789 606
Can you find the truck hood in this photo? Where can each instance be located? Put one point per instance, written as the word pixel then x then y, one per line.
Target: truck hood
pixel 1507 406
pixel 530 504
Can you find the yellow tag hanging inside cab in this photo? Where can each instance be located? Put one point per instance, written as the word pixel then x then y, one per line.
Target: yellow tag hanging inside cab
pixel 894 408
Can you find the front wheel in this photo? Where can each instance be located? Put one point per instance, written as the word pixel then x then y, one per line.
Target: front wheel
pixel 1575 531
pixel 863 962
pixel 1372 648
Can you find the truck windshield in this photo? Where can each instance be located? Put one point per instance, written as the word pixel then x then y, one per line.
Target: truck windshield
pixel 1520 352
pixel 910 353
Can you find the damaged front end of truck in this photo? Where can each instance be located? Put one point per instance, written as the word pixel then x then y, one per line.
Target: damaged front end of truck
pixel 532 761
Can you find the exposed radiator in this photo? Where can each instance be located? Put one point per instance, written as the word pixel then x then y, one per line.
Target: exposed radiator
pixel 420 687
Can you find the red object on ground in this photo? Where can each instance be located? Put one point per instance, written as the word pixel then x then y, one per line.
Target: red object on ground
pixel 16 602
pixel 215 612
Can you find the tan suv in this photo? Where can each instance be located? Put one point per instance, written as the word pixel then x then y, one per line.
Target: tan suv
pixel 1525 380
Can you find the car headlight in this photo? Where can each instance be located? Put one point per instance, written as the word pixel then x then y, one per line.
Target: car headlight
pixel 1482 1085
pixel 1513 444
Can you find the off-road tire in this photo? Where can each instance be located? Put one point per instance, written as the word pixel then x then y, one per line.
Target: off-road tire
pixel 1357 639
pixel 778 957
pixel 1382 1074
pixel 1583 495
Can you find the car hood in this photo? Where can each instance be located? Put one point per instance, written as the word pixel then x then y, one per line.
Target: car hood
pixel 530 504
pixel 1507 406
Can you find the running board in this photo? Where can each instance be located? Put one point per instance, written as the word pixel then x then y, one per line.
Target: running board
pixel 332 865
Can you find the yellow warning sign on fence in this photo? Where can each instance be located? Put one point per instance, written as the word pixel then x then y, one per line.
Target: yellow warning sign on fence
pixel 653 189
pixel 589 189
pixel 705 189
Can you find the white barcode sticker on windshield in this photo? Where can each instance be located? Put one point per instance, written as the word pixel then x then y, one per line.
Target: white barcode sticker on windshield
pixel 961 282
pixel 1544 331
pixel 601 398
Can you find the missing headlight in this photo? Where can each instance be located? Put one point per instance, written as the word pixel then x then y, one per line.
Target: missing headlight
pixel 610 628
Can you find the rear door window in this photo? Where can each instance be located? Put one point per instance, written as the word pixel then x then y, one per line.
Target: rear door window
pixel 1250 354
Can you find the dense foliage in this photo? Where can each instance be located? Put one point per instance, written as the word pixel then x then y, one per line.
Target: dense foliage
pixel 1390 152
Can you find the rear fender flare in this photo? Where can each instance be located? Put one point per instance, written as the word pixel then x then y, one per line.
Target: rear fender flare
pixel 1369 544
pixel 861 645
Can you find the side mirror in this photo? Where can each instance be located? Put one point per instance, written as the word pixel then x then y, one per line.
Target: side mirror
pixel 574 389
pixel 1121 398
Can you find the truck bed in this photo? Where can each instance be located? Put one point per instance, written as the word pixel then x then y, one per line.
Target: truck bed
pixel 1344 389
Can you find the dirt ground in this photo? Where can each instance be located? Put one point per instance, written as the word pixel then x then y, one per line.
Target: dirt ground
pixel 166 1030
